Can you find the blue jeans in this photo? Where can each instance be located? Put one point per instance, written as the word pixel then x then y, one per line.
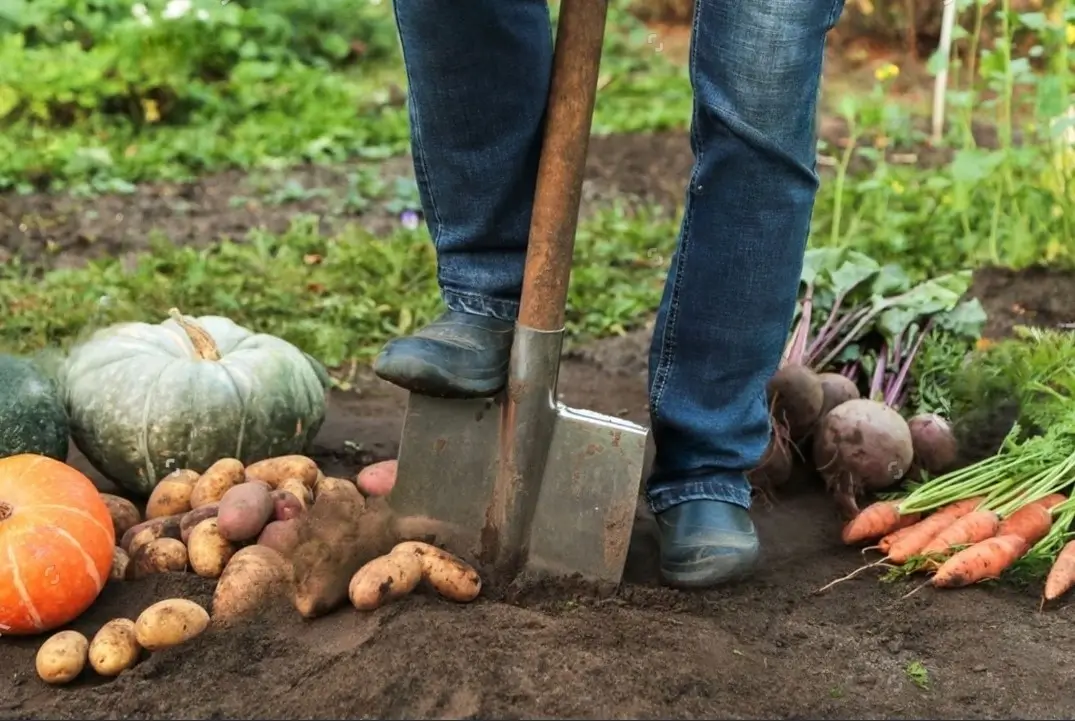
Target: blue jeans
pixel 478 73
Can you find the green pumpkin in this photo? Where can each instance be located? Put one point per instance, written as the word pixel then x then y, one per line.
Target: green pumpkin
pixel 145 400
pixel 32 416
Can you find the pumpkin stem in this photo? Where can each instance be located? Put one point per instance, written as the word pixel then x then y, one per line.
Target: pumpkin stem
pixel 5 510
pixel 203 343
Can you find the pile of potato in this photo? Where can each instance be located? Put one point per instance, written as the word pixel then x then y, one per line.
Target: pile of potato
pixel 259 504
pixel 240 525
pixel 118 645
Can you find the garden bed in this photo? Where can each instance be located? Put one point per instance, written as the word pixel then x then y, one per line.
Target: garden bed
pixel 766 648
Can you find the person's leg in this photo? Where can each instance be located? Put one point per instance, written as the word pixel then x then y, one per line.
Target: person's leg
pixel 730 294
pixel 478 75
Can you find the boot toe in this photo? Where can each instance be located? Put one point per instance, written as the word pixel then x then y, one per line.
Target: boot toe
pixel 706 543
pixel 456 356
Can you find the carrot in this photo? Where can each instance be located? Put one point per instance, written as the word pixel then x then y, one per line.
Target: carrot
pixel 1062 575
pixel 1050 501
pixel 876 520
pixel 885 544
pixel 911 544
pixel 1031 523
pixel 984 560
pixel 974 527
pixel 910 522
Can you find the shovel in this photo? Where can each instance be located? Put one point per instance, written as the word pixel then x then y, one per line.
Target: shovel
pixel 520 482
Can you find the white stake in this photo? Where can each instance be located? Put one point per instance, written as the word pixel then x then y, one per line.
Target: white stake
pixel 940 83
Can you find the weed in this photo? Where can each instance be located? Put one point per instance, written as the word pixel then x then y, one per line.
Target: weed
pixel 918 674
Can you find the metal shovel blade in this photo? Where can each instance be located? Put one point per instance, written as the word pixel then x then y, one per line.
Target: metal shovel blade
pixel 522 482
pixel 589 493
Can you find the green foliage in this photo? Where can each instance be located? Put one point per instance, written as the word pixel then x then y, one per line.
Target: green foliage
pixel 107 92
pixel 99 94
pixel 1008 204
pixel 103 90
pixel 1034 369
pixel 338 297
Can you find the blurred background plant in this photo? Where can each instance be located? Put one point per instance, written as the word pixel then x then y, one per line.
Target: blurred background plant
pixel 99 96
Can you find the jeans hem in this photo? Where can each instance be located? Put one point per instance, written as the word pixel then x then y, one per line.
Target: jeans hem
pixel 505 310
pixel 733 489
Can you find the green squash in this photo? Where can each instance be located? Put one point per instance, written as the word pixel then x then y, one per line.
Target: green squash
pixel 32 416
pixel 147 399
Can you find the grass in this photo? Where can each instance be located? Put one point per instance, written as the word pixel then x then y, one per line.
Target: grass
pixel 337 297
pixel 168 95
pixel 116 99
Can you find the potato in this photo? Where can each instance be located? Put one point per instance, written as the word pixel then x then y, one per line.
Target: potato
pixel 286 505
pixel 216 481
pixel 191 519
pixel 281 536
pixel 124 514
pixel 141 539
pixel 244 511
pixel 170 623
pixel 298 489
pixel 164 527
pixel 209 551
pixel 171 496
pixel 147 536
pixel 114 648
pixel 162 555
pixel 275 471
pixel 384 579
pixel 339 491
pixel 449 575
pixel 253 575
pixel 328 484
pixel 120 562
pixel 377 479
pixel 62 657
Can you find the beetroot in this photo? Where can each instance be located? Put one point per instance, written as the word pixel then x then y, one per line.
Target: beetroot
pixel 774 468
pixel 796 398
pixel 836 389
pixel 861 445
pixel 935 447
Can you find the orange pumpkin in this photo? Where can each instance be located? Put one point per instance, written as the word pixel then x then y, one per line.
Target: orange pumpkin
pixel 56 541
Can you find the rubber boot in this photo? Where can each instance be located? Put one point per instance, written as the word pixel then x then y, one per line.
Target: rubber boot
pixel 706 543
pixel 459 355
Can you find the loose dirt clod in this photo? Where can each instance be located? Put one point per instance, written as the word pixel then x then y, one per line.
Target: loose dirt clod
pixel 337 536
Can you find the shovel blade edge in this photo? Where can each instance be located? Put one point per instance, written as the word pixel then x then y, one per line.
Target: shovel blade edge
pixel 589 494
pixel 447 469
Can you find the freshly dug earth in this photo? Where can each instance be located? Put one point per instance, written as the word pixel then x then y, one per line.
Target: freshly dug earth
pixel 767 648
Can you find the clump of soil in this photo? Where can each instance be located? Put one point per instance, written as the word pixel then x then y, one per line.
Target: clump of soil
pixel 337 537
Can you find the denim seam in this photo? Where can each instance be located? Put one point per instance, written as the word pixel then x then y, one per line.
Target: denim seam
pixel 663 498
pixel 505 310
pixel 669 338
pixel 419 147
pixel 835 13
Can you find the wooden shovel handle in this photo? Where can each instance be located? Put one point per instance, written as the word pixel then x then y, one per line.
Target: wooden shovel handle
pixel 572 91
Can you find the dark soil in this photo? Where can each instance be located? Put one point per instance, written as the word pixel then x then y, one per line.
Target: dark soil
pixel 766 648
pixel 59 230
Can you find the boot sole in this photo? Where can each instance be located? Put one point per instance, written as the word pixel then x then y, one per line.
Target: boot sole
pixel 419 376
